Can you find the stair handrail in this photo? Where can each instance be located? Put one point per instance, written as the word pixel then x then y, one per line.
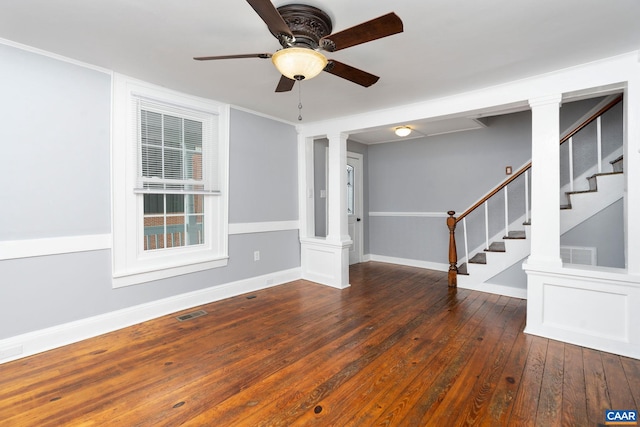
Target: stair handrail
pixel 452 221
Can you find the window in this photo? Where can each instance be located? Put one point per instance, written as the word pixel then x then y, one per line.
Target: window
pixel 350 190
pixel 169 178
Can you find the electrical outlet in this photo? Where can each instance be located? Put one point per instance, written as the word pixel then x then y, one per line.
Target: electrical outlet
pixel 256 255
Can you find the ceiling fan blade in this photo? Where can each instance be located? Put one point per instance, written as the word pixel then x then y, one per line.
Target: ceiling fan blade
pixel 374 29
pixel 350 73
pixel 285 84
pixel 248 55
pixel 270 15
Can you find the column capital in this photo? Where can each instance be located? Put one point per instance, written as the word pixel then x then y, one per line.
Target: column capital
pixel 545 100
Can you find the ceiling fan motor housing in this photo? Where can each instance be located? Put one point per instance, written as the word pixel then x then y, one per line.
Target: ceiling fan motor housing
pixel 307 23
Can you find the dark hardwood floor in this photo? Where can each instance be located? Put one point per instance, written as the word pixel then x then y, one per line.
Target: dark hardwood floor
pixel 396 348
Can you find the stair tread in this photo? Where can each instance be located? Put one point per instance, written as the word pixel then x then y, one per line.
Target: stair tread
pixel 496 247
pixel 580 192
pixel 618 159
pixel 517 234
pixel 479 258
pixel 595 175
pixel 463 269
pixel 565 206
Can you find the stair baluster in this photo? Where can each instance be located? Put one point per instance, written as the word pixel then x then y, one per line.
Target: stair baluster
pixel 452 221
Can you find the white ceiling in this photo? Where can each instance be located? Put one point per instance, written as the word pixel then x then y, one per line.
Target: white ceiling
pixel 447 46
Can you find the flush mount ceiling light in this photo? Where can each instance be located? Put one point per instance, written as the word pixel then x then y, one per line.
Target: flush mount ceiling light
pixel 403 131
pixel 299 63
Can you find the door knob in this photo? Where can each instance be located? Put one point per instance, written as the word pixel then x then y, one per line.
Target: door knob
pixel 358 219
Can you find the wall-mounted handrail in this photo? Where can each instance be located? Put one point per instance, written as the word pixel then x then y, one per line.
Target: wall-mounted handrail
pixel 494 191
pixel 453 221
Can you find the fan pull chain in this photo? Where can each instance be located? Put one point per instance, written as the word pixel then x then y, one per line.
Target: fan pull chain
pixel 300 100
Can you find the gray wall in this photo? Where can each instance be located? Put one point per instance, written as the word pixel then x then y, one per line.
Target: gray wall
pixel 451 172
pixel 55 181
pixel 55 148
pixel 436 174
pixel 605 232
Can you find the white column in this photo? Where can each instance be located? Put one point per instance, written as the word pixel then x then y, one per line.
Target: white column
pixel 545 182
pixel 305 187
pixel 632 173
pixel 326 260
pixel 337 200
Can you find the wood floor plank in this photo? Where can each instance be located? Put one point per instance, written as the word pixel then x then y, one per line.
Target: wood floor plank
pixel 319 366
pixel 525 404
pixel 574 397
pixel 385 376
pixel 437 379
pixel 595 386
pixel 469 392
pixel 617 384
pixel 500 405
pixel 478 408
pixel 632 371
pixel 397 348
pixel 549 411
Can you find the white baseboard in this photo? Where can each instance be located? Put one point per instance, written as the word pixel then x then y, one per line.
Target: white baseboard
pixel 507 291
pixel 408 262
pixel 57 336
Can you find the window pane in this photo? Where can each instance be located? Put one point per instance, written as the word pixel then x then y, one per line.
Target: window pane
pixel 175 203
pixel 192 135
pixel 195 204
pixel 151 127
pixel 151 161
pixel 172 131
pixel 193 165
pixel 172 164
pixel 195 230
pixel 153 204
pixel 350 193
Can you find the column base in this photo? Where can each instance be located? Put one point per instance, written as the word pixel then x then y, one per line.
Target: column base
pixel 325 262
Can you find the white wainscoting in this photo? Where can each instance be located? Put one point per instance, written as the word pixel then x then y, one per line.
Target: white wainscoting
pixel 590 307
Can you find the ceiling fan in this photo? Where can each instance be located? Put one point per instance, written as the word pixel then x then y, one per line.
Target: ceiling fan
pixel 303 32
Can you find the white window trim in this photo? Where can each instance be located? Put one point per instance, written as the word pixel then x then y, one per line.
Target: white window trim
pixel 132 265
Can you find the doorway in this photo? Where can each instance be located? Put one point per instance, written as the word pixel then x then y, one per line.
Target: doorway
pixel 354 206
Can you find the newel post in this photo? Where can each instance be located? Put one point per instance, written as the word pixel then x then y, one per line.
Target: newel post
pixel 453 254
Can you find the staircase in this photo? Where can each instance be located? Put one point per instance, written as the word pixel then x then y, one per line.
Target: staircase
pixel 604 190
pixel 512 245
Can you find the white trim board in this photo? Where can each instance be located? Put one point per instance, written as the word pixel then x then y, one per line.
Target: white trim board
pixel 411 214
pixel 13 249
pixel 57 336
pixel 262 227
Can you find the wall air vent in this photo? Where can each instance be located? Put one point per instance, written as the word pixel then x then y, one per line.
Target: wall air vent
pixel 579 255
pixel 190 316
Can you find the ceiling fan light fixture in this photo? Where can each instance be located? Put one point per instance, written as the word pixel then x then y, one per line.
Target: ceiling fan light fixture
pixel 403 131
pixel 299 63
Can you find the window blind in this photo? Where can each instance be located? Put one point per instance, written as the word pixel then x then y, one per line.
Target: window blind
pixel 177 150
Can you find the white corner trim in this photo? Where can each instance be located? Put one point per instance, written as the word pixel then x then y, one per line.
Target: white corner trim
pixel 57 336
pixel 411 214
pixel 409 262
pixel 53 246
pixel 262 227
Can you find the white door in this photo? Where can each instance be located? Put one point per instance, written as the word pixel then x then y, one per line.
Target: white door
pixel 354 206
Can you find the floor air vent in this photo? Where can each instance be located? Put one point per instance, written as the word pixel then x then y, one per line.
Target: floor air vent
pixel 193 315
